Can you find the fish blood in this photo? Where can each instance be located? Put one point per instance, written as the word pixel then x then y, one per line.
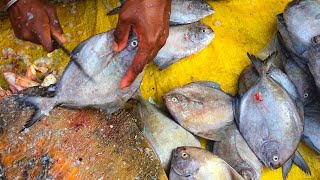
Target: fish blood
pixel 258 97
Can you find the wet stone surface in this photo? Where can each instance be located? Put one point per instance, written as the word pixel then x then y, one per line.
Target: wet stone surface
pixel 74 144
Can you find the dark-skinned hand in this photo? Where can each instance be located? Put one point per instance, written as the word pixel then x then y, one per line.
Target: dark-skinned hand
pixel 36 21
pixel 149 20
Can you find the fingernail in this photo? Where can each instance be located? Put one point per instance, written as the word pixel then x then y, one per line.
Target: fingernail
pixel 63 38
pixel 123 84
pixel 115 46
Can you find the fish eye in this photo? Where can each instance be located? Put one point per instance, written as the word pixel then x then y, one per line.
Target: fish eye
pixel 184 155
pixel 174 99
pixel 203 30
pixel 134 43
pixel 306 94
pixel 275 158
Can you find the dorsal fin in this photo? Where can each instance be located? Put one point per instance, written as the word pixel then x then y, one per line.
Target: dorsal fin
pixel 262 66
pixel 209 84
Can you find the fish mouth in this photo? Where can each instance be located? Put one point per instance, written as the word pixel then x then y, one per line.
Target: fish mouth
pixel 180 174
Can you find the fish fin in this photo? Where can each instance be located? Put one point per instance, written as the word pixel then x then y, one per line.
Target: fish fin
pixel 209 84
pixel 234 174
pixel 152 102
pixel 262 66
pixel 235 106
pixel 163 63
pixel 286 168
pixel 301 163
pixel 36 116
pixel 268 62
pixel 114 11
pixel 257 63
pixel 307 141
pixel 43 106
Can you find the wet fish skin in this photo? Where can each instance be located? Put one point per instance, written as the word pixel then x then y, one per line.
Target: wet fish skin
pixel 235 151
pixel 163 133
pixel 183 11
pixel 311 134
pixel 197 163
pixel 313 56
pixel 302 80
pixel 201 107
pixel 98 60
pixel 190 39
pixel 264 120
pixel 188 11
pixel 76 89
pixel 301 24
pixel 249 76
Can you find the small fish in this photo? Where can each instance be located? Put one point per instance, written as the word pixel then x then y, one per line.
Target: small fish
pixel 300 22
pixel 190 39
pixel 163 133
pixel 202 108
pixel 96 84
pixel 235 151
pixel 183 11
pixel 266 114
pixel 198 164
pixel 298 73
pixel 313 56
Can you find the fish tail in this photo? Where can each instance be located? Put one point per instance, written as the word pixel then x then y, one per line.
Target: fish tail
pixel 298 160
pixel 43 106
pixel 262 66
pixel 286 168
pixel 301 163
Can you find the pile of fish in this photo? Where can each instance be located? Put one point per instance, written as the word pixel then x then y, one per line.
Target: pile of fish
pixel 277 103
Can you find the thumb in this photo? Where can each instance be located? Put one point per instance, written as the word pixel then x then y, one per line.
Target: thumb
pixel 121 34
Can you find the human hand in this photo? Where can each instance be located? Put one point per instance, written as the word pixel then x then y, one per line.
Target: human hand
pixel 149 20
pixel 36 21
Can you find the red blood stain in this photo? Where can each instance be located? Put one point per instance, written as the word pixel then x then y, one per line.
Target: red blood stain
pixel 257 98
pixel 79 120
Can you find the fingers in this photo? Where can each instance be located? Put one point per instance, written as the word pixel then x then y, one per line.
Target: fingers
pixel 121 34
pixel 56 30
pixel 140 60
pixel 43 33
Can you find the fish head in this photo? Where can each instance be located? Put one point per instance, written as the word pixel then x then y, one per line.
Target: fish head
pixel 128 53
pixel 270 155
pixel 302 18
pixel 200 7
pixel 308 92
pixel 181 106
pixel 200 33
pixel 183 163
